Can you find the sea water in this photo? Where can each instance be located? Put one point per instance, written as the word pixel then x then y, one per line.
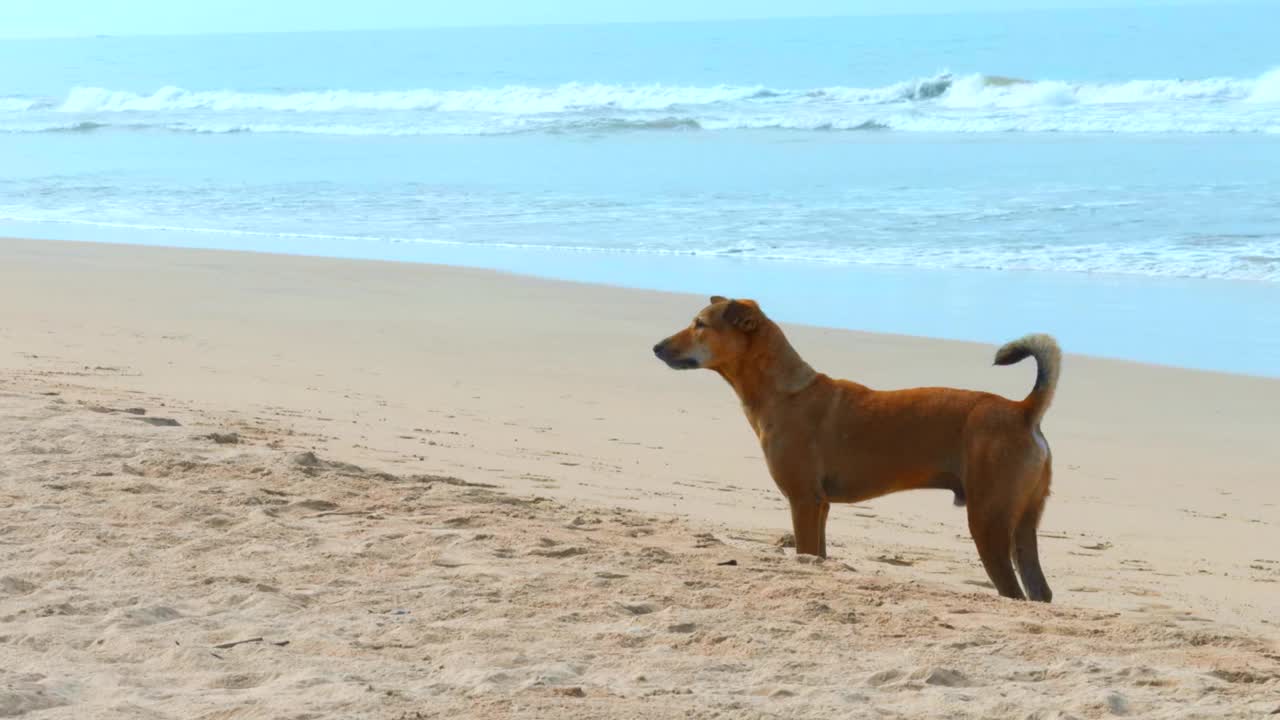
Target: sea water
pixel 1112 176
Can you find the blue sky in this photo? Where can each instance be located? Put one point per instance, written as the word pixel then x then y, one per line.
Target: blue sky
pixel 56 18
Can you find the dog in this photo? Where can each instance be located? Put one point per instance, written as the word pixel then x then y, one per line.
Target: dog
pixel 836 441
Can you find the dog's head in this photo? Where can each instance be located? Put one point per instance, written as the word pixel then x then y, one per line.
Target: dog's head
pixel 718 335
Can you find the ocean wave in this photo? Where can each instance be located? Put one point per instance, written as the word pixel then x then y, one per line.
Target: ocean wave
pixel 944 103
pixel 512 100
pixel 76 127
pixel 978 91
pixel 1266 89
pixel 974 90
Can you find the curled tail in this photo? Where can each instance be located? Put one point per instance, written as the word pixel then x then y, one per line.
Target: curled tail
pixel 1048 362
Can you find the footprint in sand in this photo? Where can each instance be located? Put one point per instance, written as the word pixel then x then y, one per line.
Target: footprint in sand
pixel 1118 704
pixel 705 540
pixel 460 521
pixel 159 421
pixel 451 560
pixel 897 560
pixel 141 617
pixel 25 695
pixel 944 677
pixel 582 523
pixel 1204 516
pixel 1136 565
pixel 558 552
pixel 10 585
pixel 638 607
pixel 885 677
pixel 313 505
pixel 238 681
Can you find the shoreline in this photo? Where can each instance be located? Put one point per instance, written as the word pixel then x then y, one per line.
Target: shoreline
pixel 548 388
pixel 1186 323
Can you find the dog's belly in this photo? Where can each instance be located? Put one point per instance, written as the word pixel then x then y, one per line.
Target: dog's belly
pixel 852 487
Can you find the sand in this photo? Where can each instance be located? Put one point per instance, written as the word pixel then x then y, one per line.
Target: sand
pixel 455 492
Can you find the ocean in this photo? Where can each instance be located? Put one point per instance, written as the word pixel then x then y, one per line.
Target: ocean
pixel 1112 176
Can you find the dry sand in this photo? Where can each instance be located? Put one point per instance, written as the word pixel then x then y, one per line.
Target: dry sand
pixel 353 528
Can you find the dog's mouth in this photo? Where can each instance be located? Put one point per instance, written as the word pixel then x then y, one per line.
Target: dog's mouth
pixel 663 352
pixel 681 363
pixel 669 355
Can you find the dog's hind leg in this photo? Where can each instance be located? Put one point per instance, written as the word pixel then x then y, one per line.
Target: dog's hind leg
pixel 1026 550
pixel 994 538
pixel 809 521
pixel 825 508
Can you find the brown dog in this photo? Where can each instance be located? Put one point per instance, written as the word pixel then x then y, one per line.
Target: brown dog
pixel 828 440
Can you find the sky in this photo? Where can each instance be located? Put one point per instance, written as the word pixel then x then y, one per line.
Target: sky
pixel 63 18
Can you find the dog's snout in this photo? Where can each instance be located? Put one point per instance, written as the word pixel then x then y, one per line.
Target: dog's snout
pixel 674 356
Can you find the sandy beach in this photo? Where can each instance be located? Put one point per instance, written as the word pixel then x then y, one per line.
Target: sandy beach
pixel 255 486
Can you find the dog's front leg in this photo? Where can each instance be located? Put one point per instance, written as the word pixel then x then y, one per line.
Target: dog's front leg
pixel 809 522
pixel 796 475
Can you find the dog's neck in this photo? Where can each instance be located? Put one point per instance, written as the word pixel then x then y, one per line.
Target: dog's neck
pixel 770 370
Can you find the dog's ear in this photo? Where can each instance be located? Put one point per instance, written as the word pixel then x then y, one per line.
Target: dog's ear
pixel 717 299
pixel 743 314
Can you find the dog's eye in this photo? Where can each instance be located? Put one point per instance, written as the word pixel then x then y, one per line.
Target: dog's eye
pixel 697 323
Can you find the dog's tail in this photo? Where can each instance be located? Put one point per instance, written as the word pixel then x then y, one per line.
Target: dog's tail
pixel 1048 362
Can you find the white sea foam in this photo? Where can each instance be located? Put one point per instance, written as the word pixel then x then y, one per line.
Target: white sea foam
pixel 974 90
pixel 945 103
pixel 1266 89
pixel 510 100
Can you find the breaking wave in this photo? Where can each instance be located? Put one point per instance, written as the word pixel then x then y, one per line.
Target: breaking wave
pixel 950 103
